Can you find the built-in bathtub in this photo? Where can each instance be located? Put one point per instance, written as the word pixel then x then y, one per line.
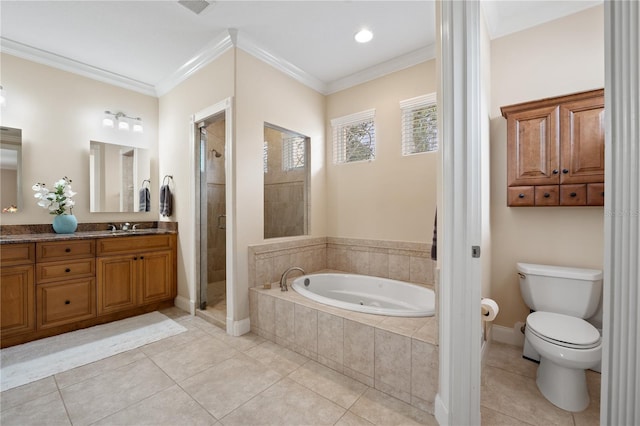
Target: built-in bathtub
pixel 396 355
pixel 371 295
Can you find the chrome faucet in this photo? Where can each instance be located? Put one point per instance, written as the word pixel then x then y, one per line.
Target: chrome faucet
pixel 134 227
pixel 125 226
pixel 112 227
pixel 283 278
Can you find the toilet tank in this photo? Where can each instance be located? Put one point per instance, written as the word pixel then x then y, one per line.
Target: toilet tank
pixel 564 290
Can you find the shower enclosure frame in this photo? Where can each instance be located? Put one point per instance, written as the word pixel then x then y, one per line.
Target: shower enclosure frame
pixel 224 107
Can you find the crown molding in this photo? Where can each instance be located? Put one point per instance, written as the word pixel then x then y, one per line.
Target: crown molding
pixel 209 53
pixel 396 64
pixel 245 43
pixel 33 54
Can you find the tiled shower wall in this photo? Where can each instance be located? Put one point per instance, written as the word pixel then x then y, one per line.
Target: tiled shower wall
pixel 404 261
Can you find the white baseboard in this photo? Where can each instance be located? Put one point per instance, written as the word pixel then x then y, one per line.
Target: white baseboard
pixel 185 304
pixel 511 336
pixel 441 411
pixel 238 328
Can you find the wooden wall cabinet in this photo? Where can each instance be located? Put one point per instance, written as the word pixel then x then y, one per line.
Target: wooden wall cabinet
pixel 555 151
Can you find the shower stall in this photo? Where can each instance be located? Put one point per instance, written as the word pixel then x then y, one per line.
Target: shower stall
pixel 212 295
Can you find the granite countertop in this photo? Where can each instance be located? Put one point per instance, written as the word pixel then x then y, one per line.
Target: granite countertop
pixel 16 234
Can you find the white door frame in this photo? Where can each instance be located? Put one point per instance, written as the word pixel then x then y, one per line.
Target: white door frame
pixel 459 106
pixel 225 106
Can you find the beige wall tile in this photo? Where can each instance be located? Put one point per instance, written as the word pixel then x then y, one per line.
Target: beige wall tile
pixel 379 264
pixel 393 364
pixel 285 321
pixel 330 339
pixel 267 314
pixel 419 271
pixel 306 331
pixel 253 311
pixel 358 348
pixel 399 267
pixel 358 262
pixel 424 374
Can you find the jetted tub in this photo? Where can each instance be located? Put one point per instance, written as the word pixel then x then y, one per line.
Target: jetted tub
pixel 372 295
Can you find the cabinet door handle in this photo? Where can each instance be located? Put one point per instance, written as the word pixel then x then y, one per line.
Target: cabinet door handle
pixel 602 193
pixel 521 195
pixel 67 302
pixel 68 270
pixel 141 257
pixel 573 194
pixel 565 171
pixel 547 195
pixel 555 171
pixel 67 250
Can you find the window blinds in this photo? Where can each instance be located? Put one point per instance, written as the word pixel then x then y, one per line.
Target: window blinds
pixel 354 137
pixel 419 124
pixel 293 153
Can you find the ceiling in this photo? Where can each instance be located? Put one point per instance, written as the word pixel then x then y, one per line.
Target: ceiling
pixel 150 45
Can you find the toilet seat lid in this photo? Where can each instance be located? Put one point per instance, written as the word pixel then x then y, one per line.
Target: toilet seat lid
pixel 564 329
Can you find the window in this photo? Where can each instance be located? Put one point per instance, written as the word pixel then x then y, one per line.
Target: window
pixel 293 153
pixel 419 124
pixel 354 137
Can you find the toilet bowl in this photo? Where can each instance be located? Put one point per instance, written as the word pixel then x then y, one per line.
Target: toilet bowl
pixel 562 297
pixel 567 347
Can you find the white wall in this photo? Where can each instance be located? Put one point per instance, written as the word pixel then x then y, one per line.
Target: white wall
pixel 557 58
pixel 392 197
pixel 59 114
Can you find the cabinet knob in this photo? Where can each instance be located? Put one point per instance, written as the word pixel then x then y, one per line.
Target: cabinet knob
pixel 67 302
pixel 67 270
pixel 573 194
pixel 565 171
pixel 555 171
pixel 141 257
pixel 67 250
pixel 135 258
pixel 547 195
pixel 521 195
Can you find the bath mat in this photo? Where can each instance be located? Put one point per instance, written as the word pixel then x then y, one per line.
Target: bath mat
pixel 42 358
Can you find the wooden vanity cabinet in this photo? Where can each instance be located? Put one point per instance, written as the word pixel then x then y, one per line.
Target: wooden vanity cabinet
pixel 51 287
pixel 556 142
pixel 17 290
pixel 65 282
pixel 135 272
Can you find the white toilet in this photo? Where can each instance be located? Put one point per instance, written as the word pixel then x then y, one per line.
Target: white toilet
pixel 566 344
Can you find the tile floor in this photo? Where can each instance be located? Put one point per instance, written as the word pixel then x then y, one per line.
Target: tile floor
pixel 204 377
pixel 509 395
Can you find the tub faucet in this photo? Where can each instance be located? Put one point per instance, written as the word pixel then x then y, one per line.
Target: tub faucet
pixel 283 278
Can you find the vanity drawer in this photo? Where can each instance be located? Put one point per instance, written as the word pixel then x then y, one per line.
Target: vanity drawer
pixel 17 254
pixel 129 244
pixel 63 303
pixel 518 196
pixel 63 250
pixel 56 271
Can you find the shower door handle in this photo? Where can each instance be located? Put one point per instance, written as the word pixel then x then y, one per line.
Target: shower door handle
pixel 222 224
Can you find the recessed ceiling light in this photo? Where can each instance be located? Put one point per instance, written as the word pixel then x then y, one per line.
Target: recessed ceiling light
pixel 363 36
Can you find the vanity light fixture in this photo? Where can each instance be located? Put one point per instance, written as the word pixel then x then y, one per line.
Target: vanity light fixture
pixel 124 121
pixel 363 36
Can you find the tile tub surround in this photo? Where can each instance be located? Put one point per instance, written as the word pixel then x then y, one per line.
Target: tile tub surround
pixel 398 356
pixel 398 260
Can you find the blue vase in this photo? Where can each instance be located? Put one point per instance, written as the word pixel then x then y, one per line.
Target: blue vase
pixel 65 224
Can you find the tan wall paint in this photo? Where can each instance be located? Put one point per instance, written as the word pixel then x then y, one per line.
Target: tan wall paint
pixel 59 113
pixel 264 94
pixel 208 86
pixel 392 197
pixel 556 58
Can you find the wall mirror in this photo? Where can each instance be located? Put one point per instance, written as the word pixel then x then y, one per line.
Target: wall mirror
pixel 286 182
pixel 119 178
pixel 10 169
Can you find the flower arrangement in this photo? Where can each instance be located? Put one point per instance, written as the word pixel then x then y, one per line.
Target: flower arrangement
pixel 56 201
